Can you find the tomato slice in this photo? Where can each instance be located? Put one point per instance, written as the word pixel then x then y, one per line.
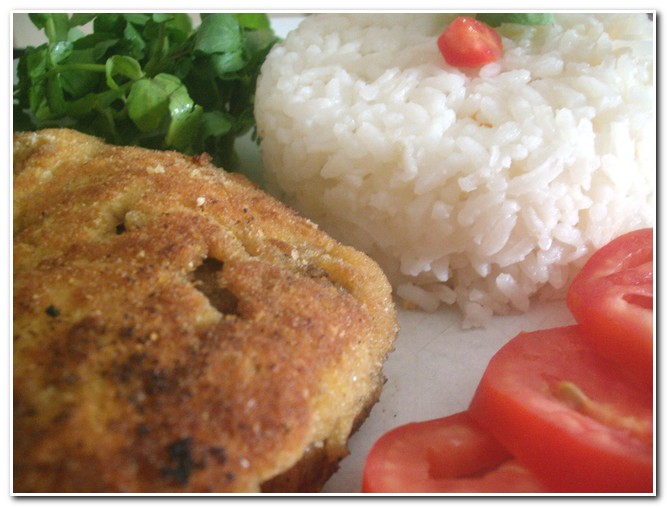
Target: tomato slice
pixel 567 414
pixel 467 42
pixel 611 298
pixel 447 455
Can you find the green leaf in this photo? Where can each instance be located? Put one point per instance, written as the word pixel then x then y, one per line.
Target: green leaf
pixel 152 101
pixel 119 65
pixel 137 19
pixel 88 104
pixel 134 38
pixel 30 72
pixel 258 44
pixel 180 27
pixel 254 21
pixel 84 106
pixel 185 117
pixel 168 82
pixel 55 26
pixel 110 23
pixel 59 52
pixel 202 86
pixel 216 124
pixel 80 19
pixel 219 33
pixel 75 34
pixel 162 17
pixel 102 47
pixel 77 83
pixel 147 104
pixel 498 18
pixel 39 19
pixel 55 96
pixel 105 124
pixel 37 99
pixel 225 63
pixel 36 62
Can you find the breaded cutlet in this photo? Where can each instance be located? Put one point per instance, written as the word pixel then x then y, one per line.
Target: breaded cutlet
pixel 176 329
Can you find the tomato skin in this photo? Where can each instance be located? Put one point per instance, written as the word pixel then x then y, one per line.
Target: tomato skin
pixel 444 455
pixel 611 298
pixel 467 42
pixel 520 402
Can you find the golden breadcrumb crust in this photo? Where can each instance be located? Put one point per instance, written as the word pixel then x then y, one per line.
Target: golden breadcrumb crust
pixel 176 329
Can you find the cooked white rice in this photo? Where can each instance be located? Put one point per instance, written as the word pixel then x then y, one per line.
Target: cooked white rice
pixel 480 188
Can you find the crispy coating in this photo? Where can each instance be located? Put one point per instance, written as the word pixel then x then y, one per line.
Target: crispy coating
pixel 178 330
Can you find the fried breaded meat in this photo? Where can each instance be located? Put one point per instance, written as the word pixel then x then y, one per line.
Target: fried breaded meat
pixel 176 329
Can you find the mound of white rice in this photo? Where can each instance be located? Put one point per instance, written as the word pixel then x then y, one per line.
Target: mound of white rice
pixel 480 187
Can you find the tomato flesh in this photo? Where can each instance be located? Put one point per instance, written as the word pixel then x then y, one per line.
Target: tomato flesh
pixel 567 414
pixel 449 454
pixel 467 42
pixel 611 298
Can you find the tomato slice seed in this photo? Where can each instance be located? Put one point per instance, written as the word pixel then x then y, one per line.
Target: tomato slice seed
pixel 604 413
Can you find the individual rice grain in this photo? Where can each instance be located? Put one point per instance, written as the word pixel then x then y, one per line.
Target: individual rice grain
pixel 482 188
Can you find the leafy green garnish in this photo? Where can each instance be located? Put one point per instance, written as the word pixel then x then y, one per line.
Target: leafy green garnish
pixel 149 80
pixel 527 18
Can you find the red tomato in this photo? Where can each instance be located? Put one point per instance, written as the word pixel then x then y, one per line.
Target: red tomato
pixel 612 300
pixel 450 454
pixel 564 411
pixel 467 42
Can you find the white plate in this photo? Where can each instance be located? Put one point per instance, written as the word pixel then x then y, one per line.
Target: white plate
pixel 436 365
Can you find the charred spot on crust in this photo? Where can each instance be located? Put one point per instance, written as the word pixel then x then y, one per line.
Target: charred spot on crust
pixel 205 280
pixel 124 371
pixel 181 460
pixel 52 311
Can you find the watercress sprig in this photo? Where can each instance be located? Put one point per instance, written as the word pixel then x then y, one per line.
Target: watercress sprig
pixel 150 80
